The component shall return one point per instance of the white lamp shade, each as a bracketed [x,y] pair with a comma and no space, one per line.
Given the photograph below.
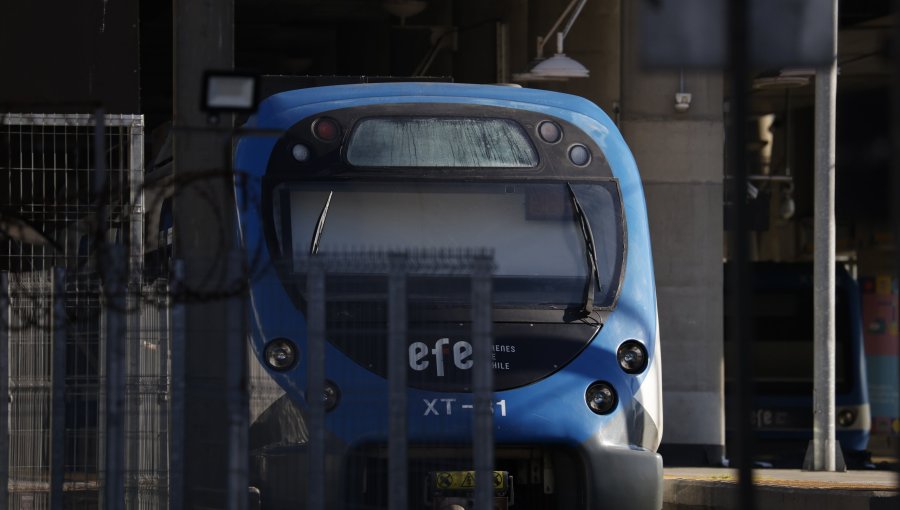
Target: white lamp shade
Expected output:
[531,77]
[560,66]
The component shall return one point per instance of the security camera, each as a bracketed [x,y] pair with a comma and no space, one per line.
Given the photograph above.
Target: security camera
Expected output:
[682,101]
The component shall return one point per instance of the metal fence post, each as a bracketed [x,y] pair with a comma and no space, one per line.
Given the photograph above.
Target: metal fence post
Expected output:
[136,211]
[483,381]
[397,402]
[236,384]
[4,388]
[164,391]
[742,401]
[58,399]
[133,393]
[114,290]
[178,335]
[824,425]
[315,388]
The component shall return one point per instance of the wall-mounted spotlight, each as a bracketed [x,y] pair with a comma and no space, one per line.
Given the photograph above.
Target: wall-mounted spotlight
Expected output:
[229,92]
[559,67]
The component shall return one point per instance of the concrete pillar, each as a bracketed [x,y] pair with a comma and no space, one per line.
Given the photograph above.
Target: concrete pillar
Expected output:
[680,157]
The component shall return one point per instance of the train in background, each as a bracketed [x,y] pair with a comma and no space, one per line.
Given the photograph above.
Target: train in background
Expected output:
[543,180]
[781,316]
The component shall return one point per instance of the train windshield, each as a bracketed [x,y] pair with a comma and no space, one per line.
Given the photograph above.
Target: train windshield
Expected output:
[532,228]
[440,142]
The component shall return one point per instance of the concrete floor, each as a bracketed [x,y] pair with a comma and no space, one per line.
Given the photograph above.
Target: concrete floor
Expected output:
[716,488]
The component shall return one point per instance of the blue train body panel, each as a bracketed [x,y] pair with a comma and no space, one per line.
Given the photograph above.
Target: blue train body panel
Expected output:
[549,411]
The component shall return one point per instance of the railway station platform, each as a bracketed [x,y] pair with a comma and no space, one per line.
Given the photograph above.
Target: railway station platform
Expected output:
[776,489]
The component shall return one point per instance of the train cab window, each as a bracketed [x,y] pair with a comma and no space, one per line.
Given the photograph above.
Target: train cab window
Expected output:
[536,239]
[440,143]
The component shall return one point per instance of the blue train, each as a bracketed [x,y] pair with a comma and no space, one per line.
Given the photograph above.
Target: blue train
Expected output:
[546,182]
[782,320]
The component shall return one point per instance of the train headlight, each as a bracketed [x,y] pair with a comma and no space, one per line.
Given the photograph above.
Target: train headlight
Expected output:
[331,395]
[632,357]
[281,354]
[549,131]
[300,152]
[579,155]
[846,417]
[601,398]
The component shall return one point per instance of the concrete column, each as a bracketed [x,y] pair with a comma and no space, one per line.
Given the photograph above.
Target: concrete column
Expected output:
[680,157]
[203,207]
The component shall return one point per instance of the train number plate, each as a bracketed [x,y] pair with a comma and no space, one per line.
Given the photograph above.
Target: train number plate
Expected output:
[455,489]
[465,481]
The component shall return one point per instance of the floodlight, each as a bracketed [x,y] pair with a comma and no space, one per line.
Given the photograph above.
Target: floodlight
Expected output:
[229,91]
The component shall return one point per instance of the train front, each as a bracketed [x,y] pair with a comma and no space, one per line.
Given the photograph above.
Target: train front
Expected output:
[541,180]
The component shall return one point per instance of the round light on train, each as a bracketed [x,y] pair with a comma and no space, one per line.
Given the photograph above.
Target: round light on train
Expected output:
[601,398]
[281,354]
[549,131]
[632,357]
[326,129]
[846,417]
[579,155]
[331,395]
[300,152]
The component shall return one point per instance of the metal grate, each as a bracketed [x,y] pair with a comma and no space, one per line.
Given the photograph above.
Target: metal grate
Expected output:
[47,319]
[50,186]
[30,316]
[62,205]
[147,399]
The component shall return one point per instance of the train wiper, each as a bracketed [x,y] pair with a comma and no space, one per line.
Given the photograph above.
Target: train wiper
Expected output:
[320,225]
[594,278]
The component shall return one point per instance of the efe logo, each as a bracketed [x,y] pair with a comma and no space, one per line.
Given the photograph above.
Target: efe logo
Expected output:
[419,359]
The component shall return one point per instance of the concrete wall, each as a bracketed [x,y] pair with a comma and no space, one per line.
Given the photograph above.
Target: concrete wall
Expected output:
[681,159]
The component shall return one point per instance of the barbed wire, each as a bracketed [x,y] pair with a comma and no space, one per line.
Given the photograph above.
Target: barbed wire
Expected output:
[88,230]
[108,274]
